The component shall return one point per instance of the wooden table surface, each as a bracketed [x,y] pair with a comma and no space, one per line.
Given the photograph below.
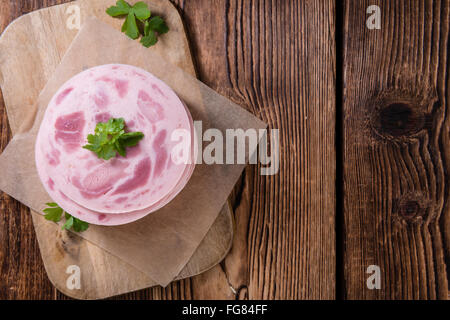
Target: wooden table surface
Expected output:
[364,159]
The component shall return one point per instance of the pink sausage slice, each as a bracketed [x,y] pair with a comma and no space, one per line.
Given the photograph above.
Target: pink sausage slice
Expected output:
[134,185]
[100,218]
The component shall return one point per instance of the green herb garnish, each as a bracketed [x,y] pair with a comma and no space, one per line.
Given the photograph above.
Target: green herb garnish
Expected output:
[141,12]
[54,213]
[151,28]
[110,138]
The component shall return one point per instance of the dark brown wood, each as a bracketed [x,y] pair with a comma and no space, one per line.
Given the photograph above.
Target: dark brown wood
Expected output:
[397,149]
[277,59]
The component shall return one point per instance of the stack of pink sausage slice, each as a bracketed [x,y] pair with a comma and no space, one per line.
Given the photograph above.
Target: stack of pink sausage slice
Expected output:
[122,189]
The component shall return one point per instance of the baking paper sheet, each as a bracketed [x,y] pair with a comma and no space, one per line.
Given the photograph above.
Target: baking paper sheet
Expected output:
[162,243]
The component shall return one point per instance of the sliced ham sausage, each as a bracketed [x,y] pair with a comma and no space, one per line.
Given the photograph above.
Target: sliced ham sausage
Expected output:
[122,189]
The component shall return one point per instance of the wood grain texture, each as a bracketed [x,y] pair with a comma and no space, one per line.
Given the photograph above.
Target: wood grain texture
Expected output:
[277,59]
[397,149]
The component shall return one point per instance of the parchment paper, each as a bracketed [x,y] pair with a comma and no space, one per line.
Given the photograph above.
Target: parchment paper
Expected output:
[162,243]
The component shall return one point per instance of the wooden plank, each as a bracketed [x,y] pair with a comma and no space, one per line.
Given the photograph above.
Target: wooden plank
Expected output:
[397,149]
[277,59]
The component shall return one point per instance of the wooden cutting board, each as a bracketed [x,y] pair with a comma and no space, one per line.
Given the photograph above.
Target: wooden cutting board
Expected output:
[30,49]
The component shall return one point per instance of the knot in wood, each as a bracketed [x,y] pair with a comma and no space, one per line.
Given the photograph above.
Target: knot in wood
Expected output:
[409,209]
[399,119]
[412,208]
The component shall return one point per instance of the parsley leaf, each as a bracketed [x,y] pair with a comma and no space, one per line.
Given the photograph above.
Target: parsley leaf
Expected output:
[107,152]
[149,40]
[52,204]
[54,213]
[158,24]
[79,226]
[140,11]
[125,25]
[110,138]
[69,222]
[132,30]
[121,8]
[131,139]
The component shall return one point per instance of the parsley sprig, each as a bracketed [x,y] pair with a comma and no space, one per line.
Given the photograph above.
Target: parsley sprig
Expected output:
[151,28]
[110,138]
[54,213]
[140,11]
